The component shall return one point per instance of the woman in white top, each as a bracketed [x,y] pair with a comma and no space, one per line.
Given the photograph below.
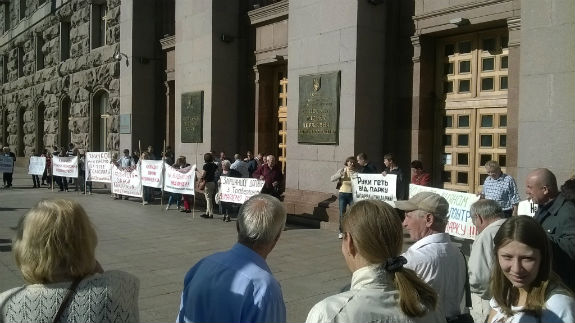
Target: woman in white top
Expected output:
[523,286]
[55,250]
[382,290]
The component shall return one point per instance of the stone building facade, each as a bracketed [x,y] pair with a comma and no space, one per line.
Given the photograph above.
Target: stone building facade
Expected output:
[60,77]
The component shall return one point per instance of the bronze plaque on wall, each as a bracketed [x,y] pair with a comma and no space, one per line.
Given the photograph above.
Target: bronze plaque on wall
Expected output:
[192,117]
[318,113]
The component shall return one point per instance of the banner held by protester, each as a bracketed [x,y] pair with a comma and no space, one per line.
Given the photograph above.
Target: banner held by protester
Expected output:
[459,224]
[239,190]
[37,165]
[180,180]
[374,186]
[98,167]
[65,166]
[6,164]
[126,181]
[151,172]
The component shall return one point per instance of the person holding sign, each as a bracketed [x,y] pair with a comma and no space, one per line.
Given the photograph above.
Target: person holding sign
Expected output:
[7,176]
[35,178]
[271,173]
[401,187]
[382,288]
[524,287]
[343,178]
[365,166]
[433,257]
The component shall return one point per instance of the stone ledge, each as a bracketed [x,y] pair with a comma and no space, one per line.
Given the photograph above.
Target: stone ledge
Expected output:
[310,206]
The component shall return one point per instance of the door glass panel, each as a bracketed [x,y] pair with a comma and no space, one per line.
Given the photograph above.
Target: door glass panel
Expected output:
[447,121]
[504,62]
[503,82]
[462,178]
[463,140]
[502,160]
[447,140]
[446,176]
[486,140]
[487,84]
[464,67]
[488,64]
[448,87]
[462,159]
[463,121]
[503,120]
[482,178]
[464,85]
[502,141]
[484,159]
[487,121]
[448,68]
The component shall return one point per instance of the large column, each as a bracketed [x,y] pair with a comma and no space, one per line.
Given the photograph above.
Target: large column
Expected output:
[514,26]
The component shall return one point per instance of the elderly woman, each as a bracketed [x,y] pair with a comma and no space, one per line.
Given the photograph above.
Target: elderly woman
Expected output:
[55,251]
[523,286]
[382,290]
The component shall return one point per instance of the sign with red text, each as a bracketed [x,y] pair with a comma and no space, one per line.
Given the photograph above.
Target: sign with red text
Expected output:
[151,172]
[239,190]
[180,180]
[98,167]
[65,166]
[459,224]
[374,186]
[126,181]
[37,165]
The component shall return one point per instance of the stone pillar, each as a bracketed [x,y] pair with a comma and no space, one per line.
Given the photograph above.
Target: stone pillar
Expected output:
[514,26]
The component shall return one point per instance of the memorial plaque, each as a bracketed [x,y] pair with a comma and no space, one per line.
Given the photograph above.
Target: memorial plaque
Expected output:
[318,113]
[192,117]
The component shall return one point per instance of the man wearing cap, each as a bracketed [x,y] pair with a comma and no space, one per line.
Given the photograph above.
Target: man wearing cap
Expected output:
[433,257]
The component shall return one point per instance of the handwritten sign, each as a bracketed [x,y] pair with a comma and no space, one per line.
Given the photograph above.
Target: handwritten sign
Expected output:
[65,166]
[126,182]
[180,180]
[6,164]
[459,223]
[151,172]
[98,167]
[527,207]
[37,165]
[239,190]
[374,186]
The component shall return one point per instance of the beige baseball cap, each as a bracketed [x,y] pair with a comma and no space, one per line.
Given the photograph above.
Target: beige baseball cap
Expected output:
[425,201]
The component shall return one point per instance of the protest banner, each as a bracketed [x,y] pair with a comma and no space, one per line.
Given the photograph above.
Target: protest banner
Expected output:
[98,167]
[151,172]
[527,207]
[239,190]
[37,165]
[459,224]
[6,164]
[126,181]
[65,166]
[180,180]
[374,186]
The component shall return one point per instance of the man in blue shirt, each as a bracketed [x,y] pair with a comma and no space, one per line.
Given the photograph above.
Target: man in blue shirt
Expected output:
[237,285]
[500,188]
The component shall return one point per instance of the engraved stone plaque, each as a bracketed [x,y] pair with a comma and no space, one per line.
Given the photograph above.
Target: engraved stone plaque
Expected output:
[192,117]
[318,113]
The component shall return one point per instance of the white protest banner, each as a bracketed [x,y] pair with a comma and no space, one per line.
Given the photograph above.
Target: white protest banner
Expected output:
[151,172]
[65,166]
[6,164]
[37,165]
[98,167]
[180,180]
[527,207]
[374,186]
[239,190]
[459,224]
[126,182]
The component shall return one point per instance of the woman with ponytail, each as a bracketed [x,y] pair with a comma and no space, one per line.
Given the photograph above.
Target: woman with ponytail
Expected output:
[382,290]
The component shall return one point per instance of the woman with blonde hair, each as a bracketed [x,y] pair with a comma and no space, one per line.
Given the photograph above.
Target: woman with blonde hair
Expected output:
[343,178]
[382,290]
[55,248]
[524,287]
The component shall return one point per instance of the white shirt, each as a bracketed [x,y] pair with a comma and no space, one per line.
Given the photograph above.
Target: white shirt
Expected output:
[440,263]
[559,308]
[371,298]
[242,167]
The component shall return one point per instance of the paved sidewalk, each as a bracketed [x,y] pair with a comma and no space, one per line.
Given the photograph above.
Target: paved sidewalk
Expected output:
[159,247]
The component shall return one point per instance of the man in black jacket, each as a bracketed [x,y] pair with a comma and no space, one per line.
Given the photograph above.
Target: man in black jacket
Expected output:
[557,216]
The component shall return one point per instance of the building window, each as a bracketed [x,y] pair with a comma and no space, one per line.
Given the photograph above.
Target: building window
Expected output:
[98,24]
[20,62]
[6,15]
[39,52]
[22,11]
[63,124]
[64,40]
[100,118]
[4,67]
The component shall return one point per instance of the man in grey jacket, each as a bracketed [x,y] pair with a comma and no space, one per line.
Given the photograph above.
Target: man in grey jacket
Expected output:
[557,216]
[487,216]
